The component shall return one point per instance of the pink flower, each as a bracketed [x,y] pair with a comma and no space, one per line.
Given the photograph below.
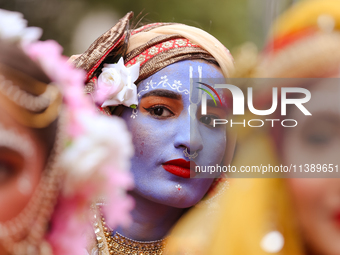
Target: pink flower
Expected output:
[69,80]
[118,204]
[70,227]
[85,159]
[48,55]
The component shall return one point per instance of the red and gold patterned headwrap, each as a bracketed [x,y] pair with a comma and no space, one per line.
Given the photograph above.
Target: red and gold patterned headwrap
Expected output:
[155,46]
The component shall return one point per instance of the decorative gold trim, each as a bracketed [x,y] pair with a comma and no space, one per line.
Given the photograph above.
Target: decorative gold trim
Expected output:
[37,106]
[121,245]
[26,100]
[109,243]
[32,86]
[29,119]
[89,87]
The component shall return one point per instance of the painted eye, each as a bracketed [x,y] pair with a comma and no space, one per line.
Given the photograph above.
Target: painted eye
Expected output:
[320,132]
[160,111]
[319,138]
[208,120]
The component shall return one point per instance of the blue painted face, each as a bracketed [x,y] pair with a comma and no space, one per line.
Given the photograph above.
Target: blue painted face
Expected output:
[163,129]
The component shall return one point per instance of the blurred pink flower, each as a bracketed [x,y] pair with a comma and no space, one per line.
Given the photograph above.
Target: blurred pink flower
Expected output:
[69,227]
[64,75]
[92,139]
[118,204]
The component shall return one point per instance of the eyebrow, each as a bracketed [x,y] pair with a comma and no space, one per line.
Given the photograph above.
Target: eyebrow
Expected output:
[224,107]
[211,103]
[162,93]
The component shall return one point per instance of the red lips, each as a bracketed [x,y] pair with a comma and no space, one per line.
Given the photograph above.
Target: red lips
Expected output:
[179,167]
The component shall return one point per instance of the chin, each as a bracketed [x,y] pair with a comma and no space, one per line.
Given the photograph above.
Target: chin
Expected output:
[177,199]
[181,203]
[164,192]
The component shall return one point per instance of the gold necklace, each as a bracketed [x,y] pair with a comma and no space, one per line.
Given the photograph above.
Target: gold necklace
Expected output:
[120,245]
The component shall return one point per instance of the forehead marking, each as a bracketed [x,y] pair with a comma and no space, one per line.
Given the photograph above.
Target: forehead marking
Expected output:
[176,85]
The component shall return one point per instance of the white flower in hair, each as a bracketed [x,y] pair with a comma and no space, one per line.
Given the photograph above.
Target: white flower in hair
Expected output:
[13,28]
[116,85]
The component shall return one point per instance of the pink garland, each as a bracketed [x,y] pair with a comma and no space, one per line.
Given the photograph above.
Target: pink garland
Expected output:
[70,221]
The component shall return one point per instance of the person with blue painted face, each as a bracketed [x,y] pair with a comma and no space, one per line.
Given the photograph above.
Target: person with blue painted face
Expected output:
[148,77]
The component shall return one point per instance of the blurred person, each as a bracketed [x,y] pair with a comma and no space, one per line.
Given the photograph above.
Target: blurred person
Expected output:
[45,191]
[305,44]
[144,76]
[289,214]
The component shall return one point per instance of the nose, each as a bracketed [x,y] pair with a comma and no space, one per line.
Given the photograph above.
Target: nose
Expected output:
[188,137]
